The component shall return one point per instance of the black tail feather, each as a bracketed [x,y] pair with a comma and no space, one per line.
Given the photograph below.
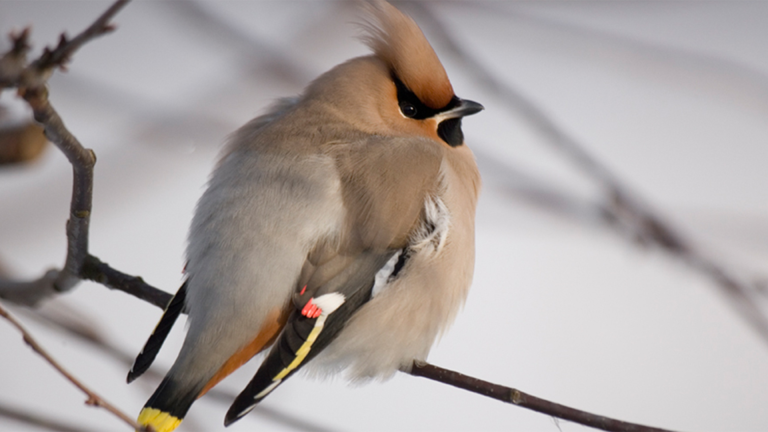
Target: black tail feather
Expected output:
[156,339]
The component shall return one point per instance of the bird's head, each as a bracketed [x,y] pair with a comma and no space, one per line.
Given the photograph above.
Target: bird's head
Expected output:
[402,89]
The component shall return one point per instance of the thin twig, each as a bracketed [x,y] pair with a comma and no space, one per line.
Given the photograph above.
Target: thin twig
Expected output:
[93,398]
[524,400]
[59,56]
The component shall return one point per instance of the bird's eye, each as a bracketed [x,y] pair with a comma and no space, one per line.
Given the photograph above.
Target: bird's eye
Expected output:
[408,109]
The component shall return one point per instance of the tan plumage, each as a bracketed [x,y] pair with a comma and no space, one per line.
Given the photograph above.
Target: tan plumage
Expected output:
[397,40]
[363,178]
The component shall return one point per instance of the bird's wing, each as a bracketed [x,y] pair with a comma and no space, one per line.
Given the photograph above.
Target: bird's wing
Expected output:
[385,182]
[311,327]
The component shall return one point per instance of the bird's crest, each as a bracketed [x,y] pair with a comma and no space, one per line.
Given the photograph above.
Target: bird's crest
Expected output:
[396,39]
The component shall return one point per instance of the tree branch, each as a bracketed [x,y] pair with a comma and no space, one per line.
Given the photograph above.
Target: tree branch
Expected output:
[524,400]
[30,80]
[100,272]
[59,56]
[93,398]
[82,161]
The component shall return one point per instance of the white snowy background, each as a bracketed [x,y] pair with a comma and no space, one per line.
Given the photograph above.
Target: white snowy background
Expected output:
[671,96]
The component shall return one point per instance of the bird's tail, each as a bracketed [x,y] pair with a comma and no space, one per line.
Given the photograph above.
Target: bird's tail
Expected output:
[156,339]
[167,407]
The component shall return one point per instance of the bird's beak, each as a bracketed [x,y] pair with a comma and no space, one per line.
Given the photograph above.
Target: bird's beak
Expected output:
[449,122]
[463,109]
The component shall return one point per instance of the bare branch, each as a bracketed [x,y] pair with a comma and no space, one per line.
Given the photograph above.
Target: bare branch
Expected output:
[82,161]
[59,56]
[93,398]
[31,80]
[29,293]
[524,400]
[102,273]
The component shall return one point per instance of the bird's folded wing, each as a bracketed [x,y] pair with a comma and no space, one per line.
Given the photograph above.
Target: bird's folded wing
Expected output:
[385,183]
[306,334]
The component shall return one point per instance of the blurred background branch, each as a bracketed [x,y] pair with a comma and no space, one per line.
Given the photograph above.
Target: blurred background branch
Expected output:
[621,208]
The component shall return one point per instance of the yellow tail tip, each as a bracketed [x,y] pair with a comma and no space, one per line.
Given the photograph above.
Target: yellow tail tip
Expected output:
[159,420]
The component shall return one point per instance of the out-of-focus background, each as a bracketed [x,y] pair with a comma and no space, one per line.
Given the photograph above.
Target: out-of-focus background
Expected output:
[671,97]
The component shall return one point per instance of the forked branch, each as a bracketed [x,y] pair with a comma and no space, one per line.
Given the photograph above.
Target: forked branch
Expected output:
[30,81]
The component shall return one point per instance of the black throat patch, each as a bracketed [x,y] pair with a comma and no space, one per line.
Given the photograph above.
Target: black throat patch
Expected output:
[412,107]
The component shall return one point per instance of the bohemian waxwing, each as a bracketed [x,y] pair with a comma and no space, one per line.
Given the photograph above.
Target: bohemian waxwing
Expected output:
[338,228]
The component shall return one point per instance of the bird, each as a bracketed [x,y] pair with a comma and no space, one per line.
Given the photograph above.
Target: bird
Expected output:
[336,231]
